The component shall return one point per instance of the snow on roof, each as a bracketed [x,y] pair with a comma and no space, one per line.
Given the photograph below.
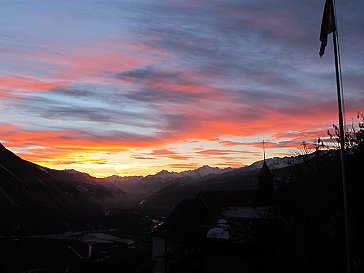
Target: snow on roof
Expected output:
[103,238]
[220,231]
[222,221]
[245,212]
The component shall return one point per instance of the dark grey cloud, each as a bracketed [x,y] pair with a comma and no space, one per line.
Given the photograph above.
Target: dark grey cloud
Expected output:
[147,73]
[75,105]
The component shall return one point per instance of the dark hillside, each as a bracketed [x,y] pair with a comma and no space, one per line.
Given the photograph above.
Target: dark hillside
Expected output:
[311,207]
[38,199]
[235,180]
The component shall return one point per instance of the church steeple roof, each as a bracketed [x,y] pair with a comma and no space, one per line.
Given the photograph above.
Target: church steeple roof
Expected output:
[265,177]
[264,171]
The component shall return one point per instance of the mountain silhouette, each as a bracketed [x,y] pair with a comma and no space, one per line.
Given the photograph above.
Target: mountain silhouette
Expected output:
[34,198]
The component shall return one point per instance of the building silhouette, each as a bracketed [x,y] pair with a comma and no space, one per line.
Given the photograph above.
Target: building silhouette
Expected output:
[221,231]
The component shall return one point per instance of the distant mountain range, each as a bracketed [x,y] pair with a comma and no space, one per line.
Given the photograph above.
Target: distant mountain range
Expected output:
[166,189]
[151,183]
[193,174]
[33,197]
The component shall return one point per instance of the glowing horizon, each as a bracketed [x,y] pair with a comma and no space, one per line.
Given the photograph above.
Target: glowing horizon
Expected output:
[134,87]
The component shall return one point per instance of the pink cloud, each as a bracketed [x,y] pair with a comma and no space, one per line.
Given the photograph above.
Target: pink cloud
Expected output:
[11,83]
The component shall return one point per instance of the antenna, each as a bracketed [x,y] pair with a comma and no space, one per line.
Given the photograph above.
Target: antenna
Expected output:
[263,150]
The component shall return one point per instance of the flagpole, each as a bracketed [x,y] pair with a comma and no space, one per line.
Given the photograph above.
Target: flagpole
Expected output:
[342,146]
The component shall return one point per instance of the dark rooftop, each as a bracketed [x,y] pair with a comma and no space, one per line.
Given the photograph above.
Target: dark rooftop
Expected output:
[217,200]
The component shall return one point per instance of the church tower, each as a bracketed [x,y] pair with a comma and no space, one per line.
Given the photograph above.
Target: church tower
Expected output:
[265,177]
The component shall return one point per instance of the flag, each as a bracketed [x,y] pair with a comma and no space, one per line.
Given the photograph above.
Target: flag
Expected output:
[328,24]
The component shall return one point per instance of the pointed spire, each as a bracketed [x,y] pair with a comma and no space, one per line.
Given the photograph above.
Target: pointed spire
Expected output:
[265,177]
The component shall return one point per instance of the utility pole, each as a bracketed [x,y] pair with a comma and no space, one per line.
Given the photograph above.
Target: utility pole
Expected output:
[342,151]
[329,25]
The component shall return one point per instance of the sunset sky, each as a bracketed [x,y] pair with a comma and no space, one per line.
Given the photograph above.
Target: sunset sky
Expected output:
[136,86]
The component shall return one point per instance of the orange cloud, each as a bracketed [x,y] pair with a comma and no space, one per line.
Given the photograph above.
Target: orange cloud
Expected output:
[217,152]
[11,83]
[184,166]
[271,121]
[179,157]
[169,154]
[230,164]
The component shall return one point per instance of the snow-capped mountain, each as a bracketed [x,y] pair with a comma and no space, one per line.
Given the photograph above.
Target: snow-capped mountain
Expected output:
[161,179]
[205,171]
[275,163]
[282,162]
[194,174]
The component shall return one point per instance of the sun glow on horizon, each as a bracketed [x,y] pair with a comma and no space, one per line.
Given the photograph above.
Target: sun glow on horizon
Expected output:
[223,153]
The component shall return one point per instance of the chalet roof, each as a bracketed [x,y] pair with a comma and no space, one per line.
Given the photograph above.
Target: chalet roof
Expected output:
[194,214]
[215,201]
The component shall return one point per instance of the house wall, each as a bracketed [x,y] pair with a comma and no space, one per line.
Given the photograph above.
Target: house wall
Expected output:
[158,254]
